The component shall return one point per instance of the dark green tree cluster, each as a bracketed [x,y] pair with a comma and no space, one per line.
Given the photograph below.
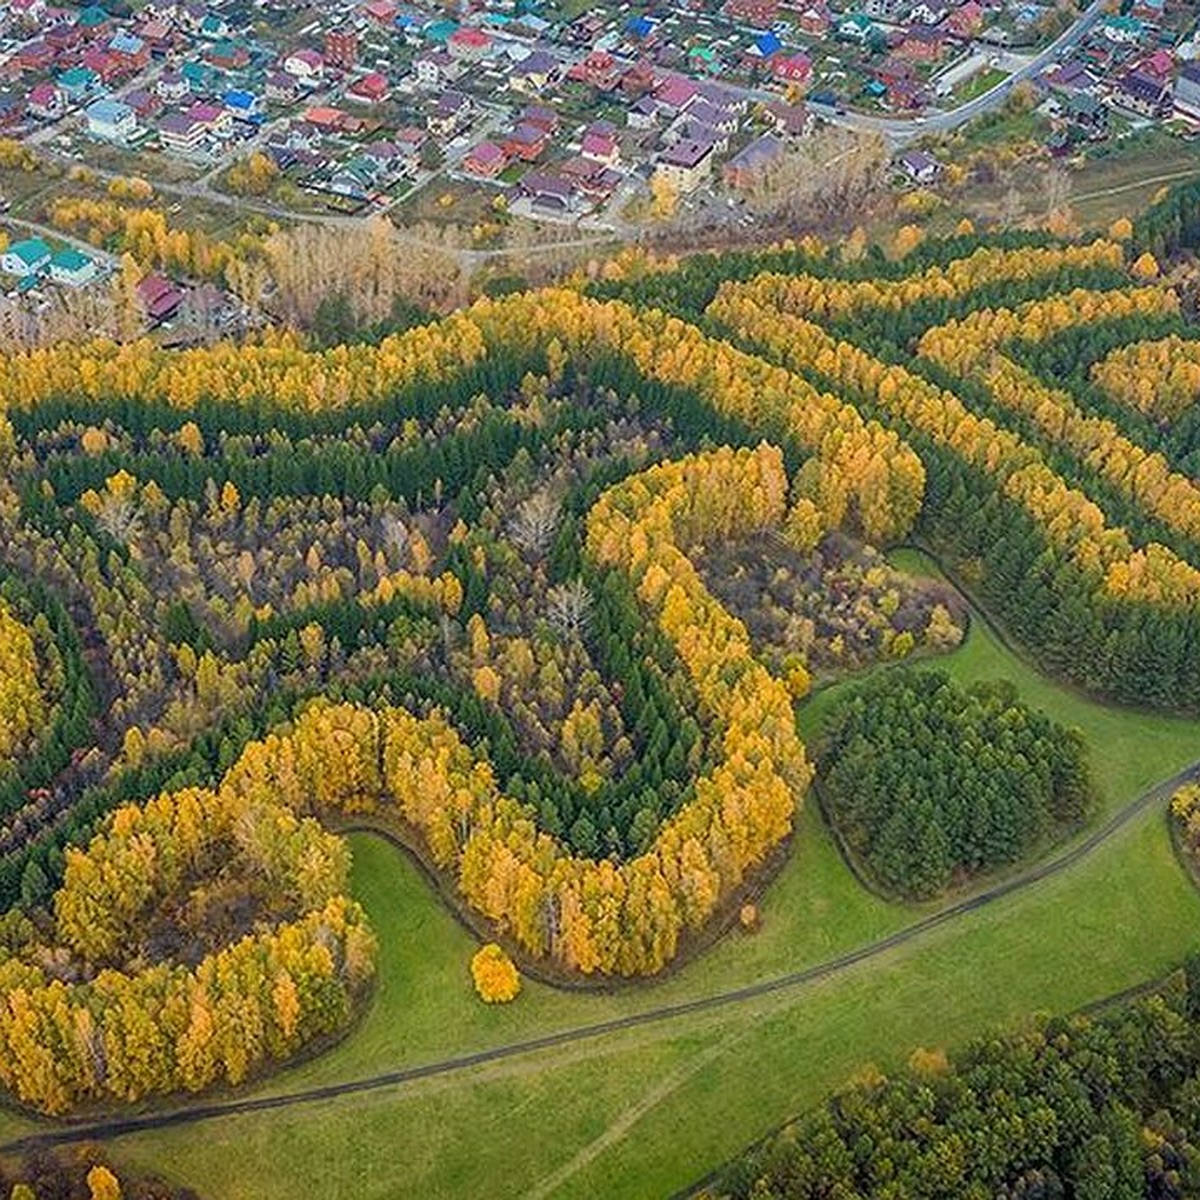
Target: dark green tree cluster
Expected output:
[929,783]
[1078,1108]
[1171,224]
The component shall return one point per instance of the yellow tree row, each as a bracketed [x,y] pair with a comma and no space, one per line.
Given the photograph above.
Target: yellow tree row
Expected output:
[276,371]
[823,299]
[1071,520]
[106,1029]
[593,916]
[971,349]
[881,476]
[24,707]
[1159,378]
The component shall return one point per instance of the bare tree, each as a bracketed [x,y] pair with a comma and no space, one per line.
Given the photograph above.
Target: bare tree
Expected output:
[533,525]
[569,608]
[119,518]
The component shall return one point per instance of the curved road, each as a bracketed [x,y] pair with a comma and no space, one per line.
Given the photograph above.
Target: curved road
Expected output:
[100,1130]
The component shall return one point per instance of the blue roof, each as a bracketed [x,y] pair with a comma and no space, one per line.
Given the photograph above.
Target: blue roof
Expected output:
[767,44]
[70,259]
[30,251]
[240,99]
[108,111]
[77,77]
[641,26]
[124,42]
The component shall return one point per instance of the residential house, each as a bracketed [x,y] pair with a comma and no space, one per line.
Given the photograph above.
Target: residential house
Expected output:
[159,36]
[305,65]
[749,164]
[885,10]
[144,102]
[94,22]
[855,27]
[372,88]
[25,258]
[758,14]
[159,297]
[72,268]
[36,55]
[47,102]
[599,70]
[791,68]
[966,21]
[642,114]
[130,51]
[535,73]
[1087,116]
[1123,30]
[408,140]
[919,166]
[1187,92]
[790,121]
[638,79]
[106,66]
[526,142]
[451,112]
[380,12]
[549,194]
[815,20]
[1149,11]
[928,12]
[1144,94]
[111,120]
[468,44]
[486,160]
[282,88]
[436,68]
[542,116]
[685,165]
[77,83]
[600,143]
[228,54]
[244,105]
[922,44]
[674,95]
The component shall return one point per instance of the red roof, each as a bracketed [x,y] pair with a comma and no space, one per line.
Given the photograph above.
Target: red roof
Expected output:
[470,37]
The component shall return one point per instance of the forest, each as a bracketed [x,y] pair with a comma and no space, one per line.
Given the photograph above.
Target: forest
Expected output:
[596,602]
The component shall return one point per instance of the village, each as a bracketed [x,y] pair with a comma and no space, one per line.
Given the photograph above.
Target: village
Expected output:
[557,116]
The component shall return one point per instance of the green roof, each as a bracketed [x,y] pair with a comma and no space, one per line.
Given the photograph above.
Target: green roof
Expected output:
[31,251]
[92,15]
[70,259]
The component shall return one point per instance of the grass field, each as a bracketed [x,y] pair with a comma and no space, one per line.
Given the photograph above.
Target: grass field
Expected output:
[645,1112]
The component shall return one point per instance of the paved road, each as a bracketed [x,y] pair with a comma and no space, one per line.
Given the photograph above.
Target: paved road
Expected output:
[902,129]
[46,231]
[102,1130]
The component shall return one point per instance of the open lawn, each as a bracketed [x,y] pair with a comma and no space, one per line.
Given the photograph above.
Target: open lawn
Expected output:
[645,1111]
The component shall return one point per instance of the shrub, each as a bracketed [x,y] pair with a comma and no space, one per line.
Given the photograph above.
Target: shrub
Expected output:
[496,978]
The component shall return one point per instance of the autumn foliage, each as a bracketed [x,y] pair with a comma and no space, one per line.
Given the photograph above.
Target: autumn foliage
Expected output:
[496,978]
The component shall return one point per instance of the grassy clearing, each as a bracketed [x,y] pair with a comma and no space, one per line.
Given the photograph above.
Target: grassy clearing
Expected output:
[646,1111]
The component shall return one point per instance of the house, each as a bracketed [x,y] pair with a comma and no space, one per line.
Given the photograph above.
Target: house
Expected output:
[436,68]
[638,79]
[243,105]
[527,142]
[1070,77]
[855,27]
[325,118]
[372,88]
[486,160]
[47,102]
[758,14]
[815,20]
[159,36]
[282,88]
[159,297]
[534,74]
[600,143]
[599,70]
[791,68]
[185,132]
[111,120]
[966,21]
[107,67]
[1143,94]
[928,12]
[356,178]
[885,10]
[408,140]
[36,55]
[542,116]
[1158,65]
[750,163]
[919,166]
[1123,30]
[685,165]
[380,12]
[674,95]
[1187,92]
[1087,116]
[451,112]
[549,194]
[305,65]
[228,54]
[72,268]
[94,22]
[642,114]
[790,121]
[129,50]
[922,44]
[78,83]
[341,48]
[468,44]
[1149,11]
[25,258]
[144,102]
